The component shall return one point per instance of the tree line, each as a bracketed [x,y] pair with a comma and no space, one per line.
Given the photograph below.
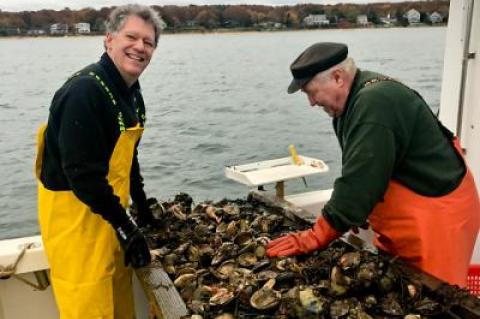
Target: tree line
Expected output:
[208,17]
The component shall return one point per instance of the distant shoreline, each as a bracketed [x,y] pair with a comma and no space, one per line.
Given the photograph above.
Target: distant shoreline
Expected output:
[230,30]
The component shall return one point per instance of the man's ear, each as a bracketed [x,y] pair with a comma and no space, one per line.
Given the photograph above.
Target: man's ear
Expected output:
[338,77]
[108,40]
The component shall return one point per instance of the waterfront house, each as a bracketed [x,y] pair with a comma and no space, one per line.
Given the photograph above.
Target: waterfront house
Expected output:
[36,32]
[82,27]
[191,23]
[362,20]
[388,20]
[270,25]
[10,31]
[413,16]
[59,28]
[436,17]
[385,21]
[316,20]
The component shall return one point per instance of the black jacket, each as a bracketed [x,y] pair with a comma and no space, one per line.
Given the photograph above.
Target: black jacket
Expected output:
[86,117]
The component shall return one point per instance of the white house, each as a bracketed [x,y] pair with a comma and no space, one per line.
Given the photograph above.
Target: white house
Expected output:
[413,16]
[82,27]
[36,32]
[436,17]
[316,20]
[270,24]
[362,19]
[385,21]
[388,20]
[59,28]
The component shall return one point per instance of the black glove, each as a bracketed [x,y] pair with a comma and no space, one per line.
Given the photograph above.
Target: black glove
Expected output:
[145,216]
[134,244]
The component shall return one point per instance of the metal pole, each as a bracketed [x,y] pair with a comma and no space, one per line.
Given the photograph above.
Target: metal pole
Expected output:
[465,58]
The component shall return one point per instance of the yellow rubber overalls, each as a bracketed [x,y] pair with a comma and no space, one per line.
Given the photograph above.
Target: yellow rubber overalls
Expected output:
[88,275]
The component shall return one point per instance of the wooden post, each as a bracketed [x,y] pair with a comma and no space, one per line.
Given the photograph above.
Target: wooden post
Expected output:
[161,293]
[280,189]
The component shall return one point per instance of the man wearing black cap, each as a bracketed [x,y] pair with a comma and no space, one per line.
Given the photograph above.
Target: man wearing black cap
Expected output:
[402,170]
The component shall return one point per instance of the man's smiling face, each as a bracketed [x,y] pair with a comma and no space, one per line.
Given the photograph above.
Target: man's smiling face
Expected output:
[131,48]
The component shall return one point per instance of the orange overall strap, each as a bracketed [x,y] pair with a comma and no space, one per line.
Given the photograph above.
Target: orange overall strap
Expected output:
[435,234]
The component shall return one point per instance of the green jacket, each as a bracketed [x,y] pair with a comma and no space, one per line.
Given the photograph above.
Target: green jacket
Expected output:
[388,132]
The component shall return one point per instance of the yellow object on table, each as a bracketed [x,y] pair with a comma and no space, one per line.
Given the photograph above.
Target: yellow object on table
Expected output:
[293,152]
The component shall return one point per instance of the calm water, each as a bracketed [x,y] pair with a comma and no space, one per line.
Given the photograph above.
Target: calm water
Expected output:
[212,100]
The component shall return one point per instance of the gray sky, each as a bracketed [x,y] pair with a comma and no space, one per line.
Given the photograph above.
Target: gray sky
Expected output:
[34,5]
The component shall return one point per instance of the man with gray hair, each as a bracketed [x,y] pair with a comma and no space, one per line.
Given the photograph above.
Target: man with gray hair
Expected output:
[87,168]
[402,170]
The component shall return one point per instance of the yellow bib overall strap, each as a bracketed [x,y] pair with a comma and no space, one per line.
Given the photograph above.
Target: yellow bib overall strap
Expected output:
[88,276]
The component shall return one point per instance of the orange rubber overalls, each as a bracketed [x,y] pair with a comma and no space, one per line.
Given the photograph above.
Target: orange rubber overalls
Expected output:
[435,234]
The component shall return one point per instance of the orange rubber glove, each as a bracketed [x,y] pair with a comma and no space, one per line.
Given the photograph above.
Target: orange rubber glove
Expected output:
[304,242]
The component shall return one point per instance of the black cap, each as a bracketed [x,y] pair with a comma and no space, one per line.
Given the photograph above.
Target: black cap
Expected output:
[315,59]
